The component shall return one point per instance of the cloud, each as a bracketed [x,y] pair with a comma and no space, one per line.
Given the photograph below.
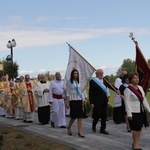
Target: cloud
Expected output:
[42,19]
[54,18]
[34,73]
[74,18]
[108,70]
[33,37]
[16,19]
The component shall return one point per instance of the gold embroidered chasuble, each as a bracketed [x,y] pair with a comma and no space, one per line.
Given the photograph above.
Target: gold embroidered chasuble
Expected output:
[28,98]
[18,95]
[3,87]
[9,100]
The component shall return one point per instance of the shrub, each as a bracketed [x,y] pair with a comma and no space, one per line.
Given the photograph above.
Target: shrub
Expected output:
[87,106]
[109,111]
[1,137]
[19,136]
[1,141]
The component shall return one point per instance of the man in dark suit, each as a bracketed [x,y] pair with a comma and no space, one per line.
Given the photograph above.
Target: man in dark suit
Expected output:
[98,96]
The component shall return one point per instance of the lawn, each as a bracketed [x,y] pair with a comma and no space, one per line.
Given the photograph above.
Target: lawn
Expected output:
[13,139]
[111,100]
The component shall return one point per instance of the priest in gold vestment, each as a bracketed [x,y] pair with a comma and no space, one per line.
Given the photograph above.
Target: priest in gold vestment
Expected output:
[3,86]
[28,99]
[9,100]
[18,99]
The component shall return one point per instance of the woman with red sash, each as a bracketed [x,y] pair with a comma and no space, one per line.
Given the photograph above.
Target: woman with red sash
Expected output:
[135,103]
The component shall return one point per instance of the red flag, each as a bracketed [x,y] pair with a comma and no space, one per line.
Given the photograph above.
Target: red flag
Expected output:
[143,69]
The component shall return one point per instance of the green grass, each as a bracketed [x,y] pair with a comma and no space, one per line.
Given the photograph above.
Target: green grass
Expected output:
[148,97]
[111,100]
[5,132]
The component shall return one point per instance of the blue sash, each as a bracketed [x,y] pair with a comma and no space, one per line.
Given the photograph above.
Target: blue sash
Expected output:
[125,85]
[75,88]
[102,86]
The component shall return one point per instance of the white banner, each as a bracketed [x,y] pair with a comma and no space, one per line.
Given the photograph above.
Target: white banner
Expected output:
[76,61]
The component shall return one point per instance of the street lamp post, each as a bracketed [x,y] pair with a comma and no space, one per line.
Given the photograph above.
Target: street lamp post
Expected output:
[10,45]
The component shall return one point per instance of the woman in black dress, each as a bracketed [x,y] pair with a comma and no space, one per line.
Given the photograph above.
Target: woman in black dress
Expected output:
[76,103]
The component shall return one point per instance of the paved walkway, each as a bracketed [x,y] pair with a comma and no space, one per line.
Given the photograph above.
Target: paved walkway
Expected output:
[118,139]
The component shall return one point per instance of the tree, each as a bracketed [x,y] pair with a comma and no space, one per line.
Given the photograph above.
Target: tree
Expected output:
[10,68]
[127,65]
[49,76]
[111,78]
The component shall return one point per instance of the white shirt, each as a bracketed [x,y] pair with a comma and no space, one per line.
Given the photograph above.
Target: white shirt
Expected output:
[42,98]
[117,98]
[72,93]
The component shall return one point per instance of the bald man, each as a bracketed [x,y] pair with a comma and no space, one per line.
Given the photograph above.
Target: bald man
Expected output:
[56,99]
[98,96]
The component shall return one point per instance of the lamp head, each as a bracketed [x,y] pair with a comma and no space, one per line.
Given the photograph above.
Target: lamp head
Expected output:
[13,43]
[9,44]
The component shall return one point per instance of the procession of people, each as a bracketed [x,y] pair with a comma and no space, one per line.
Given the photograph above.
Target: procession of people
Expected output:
[22,99]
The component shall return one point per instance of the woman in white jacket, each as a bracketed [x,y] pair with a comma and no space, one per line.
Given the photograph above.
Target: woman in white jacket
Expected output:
[135,103]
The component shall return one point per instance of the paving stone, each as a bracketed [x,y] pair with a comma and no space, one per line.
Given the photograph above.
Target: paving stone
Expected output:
[118,138]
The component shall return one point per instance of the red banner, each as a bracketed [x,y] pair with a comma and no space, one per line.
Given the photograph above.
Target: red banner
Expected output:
[143,69]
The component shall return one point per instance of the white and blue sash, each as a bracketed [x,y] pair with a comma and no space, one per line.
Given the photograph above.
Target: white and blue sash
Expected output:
[125,85]
[75,88]
[101,85]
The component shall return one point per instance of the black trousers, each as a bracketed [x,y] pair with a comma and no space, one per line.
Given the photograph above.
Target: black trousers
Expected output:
[44,114]
[102,115]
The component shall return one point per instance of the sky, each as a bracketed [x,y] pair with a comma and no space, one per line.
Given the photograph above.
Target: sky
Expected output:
[98,30]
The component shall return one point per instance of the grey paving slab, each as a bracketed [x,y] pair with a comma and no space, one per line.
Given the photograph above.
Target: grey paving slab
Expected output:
[118,138]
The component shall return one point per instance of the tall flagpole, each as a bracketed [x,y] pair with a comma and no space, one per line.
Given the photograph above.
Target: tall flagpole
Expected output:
[145,64]
[136,44]
[3,66]
[91,66]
